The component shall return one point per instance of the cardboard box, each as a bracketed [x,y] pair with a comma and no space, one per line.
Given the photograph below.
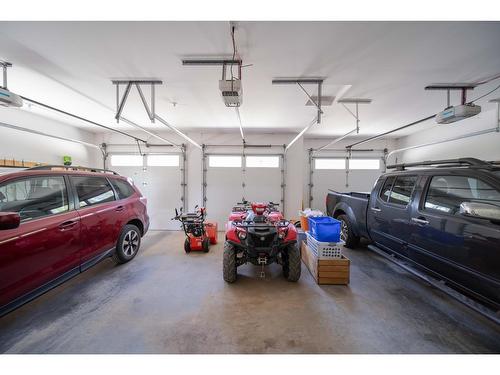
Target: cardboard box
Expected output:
[333,271]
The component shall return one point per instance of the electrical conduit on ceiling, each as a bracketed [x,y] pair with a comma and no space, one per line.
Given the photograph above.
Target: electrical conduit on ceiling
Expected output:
[19,128]
[464,136]
[82,119]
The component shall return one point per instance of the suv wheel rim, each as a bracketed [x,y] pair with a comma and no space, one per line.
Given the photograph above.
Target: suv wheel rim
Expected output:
[343,230]
[130,243]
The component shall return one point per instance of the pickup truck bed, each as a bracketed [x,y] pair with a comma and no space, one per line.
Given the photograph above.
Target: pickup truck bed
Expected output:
[354,206]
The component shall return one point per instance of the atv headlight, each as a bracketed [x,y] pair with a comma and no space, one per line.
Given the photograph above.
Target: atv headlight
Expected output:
[282,234]
[242,234]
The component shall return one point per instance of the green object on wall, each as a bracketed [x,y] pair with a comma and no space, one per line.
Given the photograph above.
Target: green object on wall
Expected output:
[67,160]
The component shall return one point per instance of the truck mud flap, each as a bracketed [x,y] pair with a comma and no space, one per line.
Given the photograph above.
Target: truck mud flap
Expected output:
[438,284]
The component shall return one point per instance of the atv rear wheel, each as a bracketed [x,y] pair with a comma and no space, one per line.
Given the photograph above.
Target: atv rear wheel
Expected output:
[205,245]
[291,263]
[229,263]
[187,245]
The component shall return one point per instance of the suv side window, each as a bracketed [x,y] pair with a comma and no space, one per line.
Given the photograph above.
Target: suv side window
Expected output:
[34,197]
[446,193]
[92,190]
[122,188]
[386,188]
[402,189]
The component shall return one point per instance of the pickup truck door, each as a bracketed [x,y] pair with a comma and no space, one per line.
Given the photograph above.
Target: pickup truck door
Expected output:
[389,211]
[460,248]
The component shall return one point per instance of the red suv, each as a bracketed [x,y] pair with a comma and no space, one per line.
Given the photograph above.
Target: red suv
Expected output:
[56,222]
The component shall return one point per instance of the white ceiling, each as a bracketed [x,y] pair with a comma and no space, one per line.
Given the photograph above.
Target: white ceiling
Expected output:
[70,65]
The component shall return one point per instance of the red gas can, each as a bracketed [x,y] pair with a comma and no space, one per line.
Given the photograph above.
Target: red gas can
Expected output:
[211,229]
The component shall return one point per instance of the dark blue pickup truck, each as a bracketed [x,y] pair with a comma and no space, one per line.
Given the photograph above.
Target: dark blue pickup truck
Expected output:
[443,218]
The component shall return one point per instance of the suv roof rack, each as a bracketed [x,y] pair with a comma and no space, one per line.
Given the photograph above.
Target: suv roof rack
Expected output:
[471,162]
[70,168]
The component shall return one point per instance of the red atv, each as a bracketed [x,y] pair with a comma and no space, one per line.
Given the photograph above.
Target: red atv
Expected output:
[257,233]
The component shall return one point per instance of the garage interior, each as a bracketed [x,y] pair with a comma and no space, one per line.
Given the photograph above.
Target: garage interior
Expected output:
[324,106]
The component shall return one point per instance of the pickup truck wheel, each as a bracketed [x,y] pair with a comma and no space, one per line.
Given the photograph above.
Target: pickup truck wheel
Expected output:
[128,244]
[229,263]
[346,233]
[292,263]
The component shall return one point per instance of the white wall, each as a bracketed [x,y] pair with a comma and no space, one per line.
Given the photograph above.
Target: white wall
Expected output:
[19,145]
[485,146]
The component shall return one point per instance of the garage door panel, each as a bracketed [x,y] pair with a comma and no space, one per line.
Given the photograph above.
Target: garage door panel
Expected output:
[224,190]
[164,193]
[359,180]
[324,180]
[162,188]
[263,184]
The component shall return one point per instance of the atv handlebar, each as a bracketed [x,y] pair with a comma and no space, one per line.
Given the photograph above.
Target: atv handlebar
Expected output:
[200,214]
[252,224]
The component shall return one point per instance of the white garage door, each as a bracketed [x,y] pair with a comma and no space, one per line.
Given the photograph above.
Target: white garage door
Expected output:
[330,173]
[158,177]
[230,178]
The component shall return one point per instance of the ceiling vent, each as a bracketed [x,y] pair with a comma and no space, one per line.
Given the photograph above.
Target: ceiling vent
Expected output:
[325,101]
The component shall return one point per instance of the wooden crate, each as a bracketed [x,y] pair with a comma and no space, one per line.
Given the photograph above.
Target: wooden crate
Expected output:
[331,271]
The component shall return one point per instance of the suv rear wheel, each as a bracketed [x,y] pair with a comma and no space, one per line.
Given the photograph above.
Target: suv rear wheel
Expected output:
[128,244]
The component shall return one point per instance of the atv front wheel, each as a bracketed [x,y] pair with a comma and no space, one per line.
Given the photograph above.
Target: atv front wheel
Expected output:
[291,263]
[187,245]
[229,263]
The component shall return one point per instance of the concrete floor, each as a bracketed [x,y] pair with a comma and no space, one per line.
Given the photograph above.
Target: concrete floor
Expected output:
[168,302]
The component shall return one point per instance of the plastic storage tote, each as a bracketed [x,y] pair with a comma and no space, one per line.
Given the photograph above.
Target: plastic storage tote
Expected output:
[324,228]
[324,250]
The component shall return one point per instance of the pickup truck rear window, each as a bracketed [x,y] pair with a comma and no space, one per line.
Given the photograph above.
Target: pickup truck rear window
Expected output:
[402,189]
[386,189]
[398,189]
[447,193]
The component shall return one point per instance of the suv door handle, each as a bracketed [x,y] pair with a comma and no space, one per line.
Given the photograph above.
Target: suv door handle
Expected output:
[119,208]
[419,220]
[67,224]
[375,209]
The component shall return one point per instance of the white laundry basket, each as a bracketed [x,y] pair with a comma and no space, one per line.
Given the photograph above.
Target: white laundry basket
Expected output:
[324,250]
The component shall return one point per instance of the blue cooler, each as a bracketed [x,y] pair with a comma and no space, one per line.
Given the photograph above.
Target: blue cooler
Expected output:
[324,228]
